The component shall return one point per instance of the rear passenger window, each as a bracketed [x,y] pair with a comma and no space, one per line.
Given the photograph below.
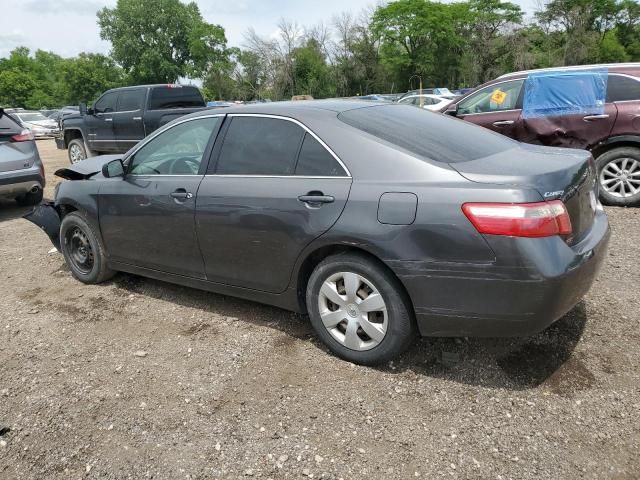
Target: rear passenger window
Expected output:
[620,89]
[316,161]
[260,146]
[130,100]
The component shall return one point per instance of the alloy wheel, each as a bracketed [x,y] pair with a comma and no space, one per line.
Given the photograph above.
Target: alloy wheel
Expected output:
[353,311]
[75,153]
[621,177]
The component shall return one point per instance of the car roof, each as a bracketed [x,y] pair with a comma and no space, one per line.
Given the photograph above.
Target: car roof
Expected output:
[154,85]
[293,109]
[614,66]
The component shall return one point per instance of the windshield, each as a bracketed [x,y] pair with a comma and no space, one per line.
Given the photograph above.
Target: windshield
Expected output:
[32,117]
[427,134]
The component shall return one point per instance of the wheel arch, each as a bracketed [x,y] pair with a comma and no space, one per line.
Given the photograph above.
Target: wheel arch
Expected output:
[616,142]
[312,258]
[72,134]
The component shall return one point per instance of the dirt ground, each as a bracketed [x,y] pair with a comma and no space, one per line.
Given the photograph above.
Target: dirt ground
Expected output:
[141,379]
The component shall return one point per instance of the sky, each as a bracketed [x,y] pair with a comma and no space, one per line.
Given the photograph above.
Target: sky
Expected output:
[68,27]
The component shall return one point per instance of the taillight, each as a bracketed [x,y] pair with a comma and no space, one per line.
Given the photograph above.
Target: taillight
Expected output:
[543,219]
[24,136]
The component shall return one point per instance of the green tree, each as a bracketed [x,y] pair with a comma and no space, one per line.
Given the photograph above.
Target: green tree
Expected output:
[90,74]
[161,40]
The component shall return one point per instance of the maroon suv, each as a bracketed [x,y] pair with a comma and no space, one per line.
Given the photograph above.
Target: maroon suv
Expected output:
[611,133]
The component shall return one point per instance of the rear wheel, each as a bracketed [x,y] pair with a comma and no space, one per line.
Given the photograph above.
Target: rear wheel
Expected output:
[619,176]
[359,310]
[83,250]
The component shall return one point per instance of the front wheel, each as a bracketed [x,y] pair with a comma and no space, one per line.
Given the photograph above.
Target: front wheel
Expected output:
[77,151]
[83,250]
[619,176]
[359,310]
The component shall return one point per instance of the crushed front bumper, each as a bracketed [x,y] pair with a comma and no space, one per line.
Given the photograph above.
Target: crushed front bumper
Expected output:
[47,218]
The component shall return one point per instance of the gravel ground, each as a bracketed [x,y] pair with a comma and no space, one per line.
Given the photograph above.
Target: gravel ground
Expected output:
[140,379]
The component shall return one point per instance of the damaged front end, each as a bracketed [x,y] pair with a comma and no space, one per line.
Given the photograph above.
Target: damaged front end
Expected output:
[47,217]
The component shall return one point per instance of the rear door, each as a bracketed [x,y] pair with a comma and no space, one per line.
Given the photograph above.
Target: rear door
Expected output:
[496,107]
[100,124]
[274,188]
[128,127]
[624,92]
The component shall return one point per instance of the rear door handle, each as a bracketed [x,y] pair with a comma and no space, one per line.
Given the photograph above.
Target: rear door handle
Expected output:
[588,118]
[311,199]
[108,119]
[503,123]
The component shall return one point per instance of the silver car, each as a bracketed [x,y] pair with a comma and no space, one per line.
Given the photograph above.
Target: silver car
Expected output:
[21,170]
[40,125]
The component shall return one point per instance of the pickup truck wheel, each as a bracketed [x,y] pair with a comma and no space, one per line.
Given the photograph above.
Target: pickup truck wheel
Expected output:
[619,176]
[77,151]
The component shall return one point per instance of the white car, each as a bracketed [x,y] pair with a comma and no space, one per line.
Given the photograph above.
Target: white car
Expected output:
[39,125]
[429,101]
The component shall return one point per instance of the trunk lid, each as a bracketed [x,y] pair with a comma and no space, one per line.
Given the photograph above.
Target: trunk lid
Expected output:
[556,173]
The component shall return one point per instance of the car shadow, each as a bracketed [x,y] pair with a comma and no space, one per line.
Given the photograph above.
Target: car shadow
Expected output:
[10,210]
[506,363]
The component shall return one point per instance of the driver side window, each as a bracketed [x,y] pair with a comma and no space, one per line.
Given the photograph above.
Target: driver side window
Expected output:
[494,98]
[177,151]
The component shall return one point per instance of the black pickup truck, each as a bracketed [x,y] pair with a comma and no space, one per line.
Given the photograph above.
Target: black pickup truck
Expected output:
[123,116]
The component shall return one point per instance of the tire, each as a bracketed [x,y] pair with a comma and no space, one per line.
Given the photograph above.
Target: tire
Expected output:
[76,232]
[30,199]
[77,151]
[392,326]
[619,176]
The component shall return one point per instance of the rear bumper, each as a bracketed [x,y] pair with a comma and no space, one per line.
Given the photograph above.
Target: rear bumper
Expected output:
[18,182]
[534,283]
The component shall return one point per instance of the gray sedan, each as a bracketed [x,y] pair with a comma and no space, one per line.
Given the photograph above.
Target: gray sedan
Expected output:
[380,221]
[21,170]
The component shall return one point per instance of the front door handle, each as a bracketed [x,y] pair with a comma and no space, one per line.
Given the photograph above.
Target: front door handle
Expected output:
[137,118]
[588,118]
[316,199]
[108,119]
[503,123]
[181,194]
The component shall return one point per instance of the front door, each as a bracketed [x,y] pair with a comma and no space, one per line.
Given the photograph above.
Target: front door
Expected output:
[274,189]
[100,123]
[496,107]
[147,218]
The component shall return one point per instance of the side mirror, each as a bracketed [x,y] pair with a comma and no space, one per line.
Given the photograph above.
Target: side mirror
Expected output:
[452,110]
[83,108]
[113,169]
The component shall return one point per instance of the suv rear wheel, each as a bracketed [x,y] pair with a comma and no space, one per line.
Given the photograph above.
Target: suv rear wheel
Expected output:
[619,176]
[359,310]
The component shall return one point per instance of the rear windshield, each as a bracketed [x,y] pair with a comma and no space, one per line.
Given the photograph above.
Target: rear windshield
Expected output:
[175,96]
[427,134]
[8,125]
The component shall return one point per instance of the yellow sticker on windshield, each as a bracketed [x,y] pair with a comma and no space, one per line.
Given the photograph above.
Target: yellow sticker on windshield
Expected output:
[498,96]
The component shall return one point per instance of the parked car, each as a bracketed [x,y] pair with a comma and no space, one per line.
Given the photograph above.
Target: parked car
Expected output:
[611,132]
[35,121]
[430,102]
[375,219]
[122,117]
[21,170]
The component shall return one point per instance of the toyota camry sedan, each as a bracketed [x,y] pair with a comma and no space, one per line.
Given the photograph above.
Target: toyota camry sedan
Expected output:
[380,221]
